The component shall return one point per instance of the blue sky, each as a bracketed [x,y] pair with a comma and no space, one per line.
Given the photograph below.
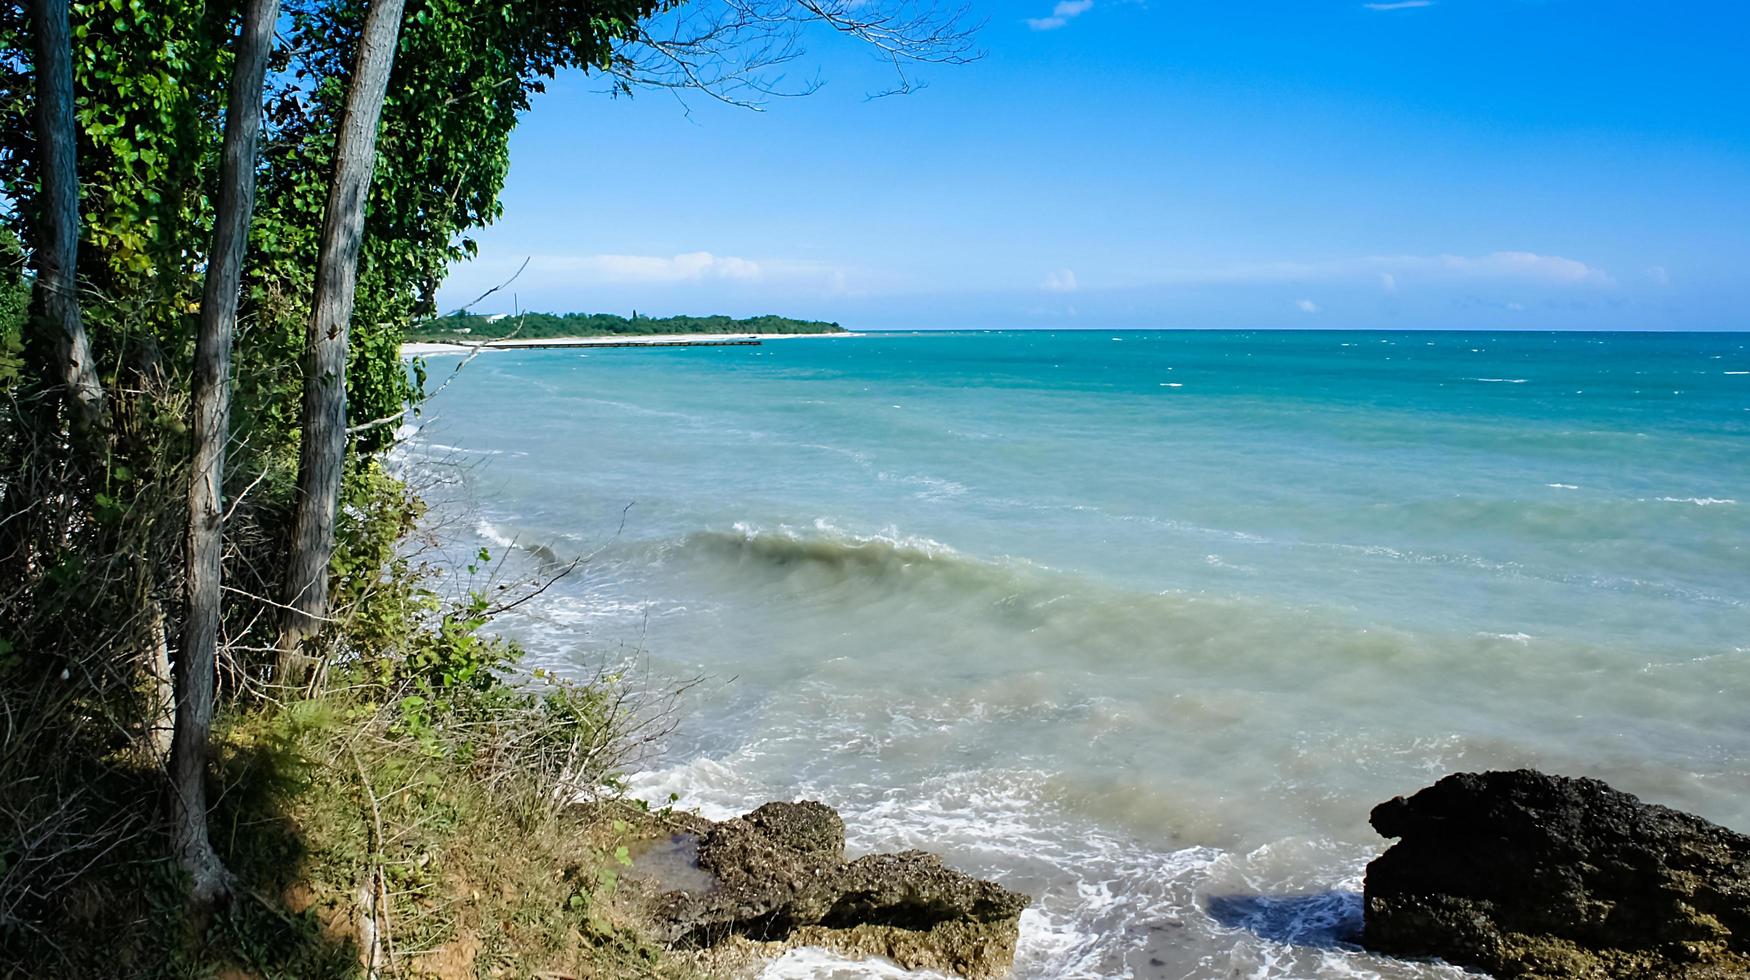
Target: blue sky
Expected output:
[1459,164]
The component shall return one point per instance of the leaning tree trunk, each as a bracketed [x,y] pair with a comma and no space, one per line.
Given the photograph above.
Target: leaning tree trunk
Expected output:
[322,453]
[196,662]
[57,325]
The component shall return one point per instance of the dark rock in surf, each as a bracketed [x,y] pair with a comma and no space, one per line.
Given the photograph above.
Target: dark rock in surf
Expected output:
[808,828]
[1529,875]
[777,878]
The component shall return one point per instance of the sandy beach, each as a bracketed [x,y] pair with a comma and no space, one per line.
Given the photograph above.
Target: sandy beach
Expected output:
[427,349]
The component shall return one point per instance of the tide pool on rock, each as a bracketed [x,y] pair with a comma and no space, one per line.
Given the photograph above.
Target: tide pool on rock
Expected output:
[1143,628]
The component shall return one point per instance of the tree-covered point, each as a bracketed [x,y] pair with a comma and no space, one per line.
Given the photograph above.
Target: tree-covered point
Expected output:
[534,326]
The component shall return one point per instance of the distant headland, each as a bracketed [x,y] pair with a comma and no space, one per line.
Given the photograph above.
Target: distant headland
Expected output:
[471,328]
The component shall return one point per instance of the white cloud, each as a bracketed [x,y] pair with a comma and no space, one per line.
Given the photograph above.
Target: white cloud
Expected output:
[1399,5]
[687,267]
[1061,281]
[1391,271]
[1063,13]
[1658,275]
[1306,306]
[1516,307]
[1506,265]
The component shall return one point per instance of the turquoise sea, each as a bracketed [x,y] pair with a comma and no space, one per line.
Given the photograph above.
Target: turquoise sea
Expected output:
[1142,623]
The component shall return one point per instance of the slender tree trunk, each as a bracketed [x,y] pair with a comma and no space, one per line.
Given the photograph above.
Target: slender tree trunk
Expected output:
[161,721]
[55,339]
[196,662]
[322,453]
[56,322]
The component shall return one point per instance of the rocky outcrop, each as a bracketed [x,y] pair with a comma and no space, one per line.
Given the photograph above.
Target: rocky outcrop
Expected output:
[778,877]
[1528,875]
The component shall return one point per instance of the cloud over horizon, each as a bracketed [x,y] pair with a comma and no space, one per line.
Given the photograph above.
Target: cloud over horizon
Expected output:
[1553,269]
[1061,281]
[652,268]
[1390,289]
[686,267]
[1393,271]
[561,282]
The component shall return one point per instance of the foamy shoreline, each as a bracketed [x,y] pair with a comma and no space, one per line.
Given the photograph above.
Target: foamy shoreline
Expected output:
[427,349]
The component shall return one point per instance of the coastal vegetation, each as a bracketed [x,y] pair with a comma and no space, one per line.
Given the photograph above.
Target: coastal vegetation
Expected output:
[244,727]
[535,326]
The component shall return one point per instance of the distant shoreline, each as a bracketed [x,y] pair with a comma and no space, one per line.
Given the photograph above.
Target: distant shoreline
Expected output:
[429,348]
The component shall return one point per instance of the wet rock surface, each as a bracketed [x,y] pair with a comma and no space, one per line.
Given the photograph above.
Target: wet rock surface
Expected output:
[777,878]
[1524,874]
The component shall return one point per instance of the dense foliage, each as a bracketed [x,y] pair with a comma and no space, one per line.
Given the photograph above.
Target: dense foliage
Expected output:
[149,84]
[530,326]
[92,523]
[14,301]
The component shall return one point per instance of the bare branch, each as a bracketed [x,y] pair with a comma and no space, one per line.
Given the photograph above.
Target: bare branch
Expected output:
[735,51]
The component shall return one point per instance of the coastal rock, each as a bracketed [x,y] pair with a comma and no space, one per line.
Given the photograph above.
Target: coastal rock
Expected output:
[915,890]
[1529,875]
[807,828]
[776,878]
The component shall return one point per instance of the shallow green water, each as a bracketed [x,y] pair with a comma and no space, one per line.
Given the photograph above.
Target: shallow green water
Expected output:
[1143,623]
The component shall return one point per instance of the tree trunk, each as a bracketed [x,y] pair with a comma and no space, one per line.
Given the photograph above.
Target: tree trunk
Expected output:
[196,663]
[322,453]
[56,323]
[54,333]
[161,720]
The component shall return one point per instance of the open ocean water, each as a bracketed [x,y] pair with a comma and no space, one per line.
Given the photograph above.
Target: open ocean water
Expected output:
[1139,623]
